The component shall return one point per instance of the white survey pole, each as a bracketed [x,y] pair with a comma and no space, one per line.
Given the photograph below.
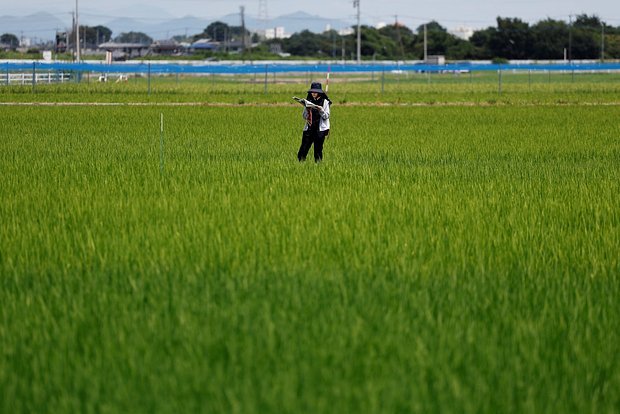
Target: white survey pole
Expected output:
[161,144]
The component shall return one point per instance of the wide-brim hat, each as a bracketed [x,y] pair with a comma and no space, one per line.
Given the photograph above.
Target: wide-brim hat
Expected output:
[316,87]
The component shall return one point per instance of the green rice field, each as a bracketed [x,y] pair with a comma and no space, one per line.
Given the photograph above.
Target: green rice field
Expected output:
[457,251]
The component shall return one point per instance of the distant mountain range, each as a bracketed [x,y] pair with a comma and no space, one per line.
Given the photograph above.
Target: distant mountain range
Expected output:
[35,26]
[43,25]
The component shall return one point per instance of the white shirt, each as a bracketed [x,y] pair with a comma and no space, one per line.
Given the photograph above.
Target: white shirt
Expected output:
[324,122]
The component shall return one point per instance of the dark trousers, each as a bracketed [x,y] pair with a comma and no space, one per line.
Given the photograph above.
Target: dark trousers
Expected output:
[307,139]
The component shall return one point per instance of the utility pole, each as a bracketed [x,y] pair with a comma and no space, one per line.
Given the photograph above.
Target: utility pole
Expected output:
[242,9]
[356,3]
[602,41]
[570,38]
[425,45]
[400,40]
[77,33]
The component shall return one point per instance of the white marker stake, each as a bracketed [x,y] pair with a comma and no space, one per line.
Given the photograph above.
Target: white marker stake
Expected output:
[161,145]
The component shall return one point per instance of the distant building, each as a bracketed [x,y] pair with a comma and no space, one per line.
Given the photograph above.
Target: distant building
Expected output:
[205,45]
[124,51]
[275,33]
[166,47]
[462,32]
[436,60]
[208,45]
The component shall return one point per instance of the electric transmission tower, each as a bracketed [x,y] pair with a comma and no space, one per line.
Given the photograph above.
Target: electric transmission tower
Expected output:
[262,14]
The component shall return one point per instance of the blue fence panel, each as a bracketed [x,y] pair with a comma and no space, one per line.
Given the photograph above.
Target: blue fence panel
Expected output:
[250,68]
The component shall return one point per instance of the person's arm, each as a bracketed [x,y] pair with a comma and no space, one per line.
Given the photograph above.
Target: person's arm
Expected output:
[325,110]
[304,113]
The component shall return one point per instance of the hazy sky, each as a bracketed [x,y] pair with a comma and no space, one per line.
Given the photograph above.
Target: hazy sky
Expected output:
[449,13]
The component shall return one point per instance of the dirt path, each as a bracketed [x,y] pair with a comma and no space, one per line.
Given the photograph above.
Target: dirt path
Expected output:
[363,104]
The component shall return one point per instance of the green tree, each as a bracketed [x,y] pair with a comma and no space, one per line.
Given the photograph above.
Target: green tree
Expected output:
[333,43]
[221,32]
[586,37]
[439,42]
[437,39]
[611,38]
[511,39]
[305,43]
[396,42]
[612,44]
[460,49]
[374,44]
[93,36]
[10,39]
[134,37]
[479,42]
[100,34]
[549,39]
[588,22]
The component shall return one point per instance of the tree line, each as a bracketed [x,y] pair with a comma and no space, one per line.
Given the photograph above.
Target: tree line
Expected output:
[585,37]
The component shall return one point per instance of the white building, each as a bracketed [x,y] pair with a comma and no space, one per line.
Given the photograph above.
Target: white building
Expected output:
[275,33]
[462,32]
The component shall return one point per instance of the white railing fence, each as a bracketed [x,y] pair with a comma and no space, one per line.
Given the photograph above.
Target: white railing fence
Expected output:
[25,78]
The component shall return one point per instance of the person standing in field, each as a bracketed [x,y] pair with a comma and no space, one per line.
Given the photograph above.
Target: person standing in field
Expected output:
[316,127]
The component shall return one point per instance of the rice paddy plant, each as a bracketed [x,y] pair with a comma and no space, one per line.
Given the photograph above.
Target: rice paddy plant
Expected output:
[440,259]
[400,88]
